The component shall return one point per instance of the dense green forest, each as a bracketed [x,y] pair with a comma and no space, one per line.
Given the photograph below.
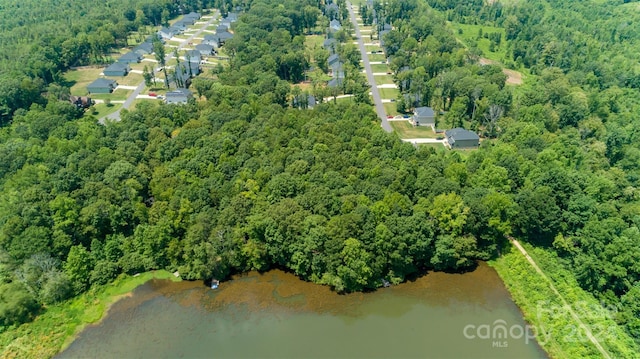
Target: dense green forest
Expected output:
[243,181]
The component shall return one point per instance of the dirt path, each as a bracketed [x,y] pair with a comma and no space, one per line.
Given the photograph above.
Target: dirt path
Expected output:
[513,77]
[575,317]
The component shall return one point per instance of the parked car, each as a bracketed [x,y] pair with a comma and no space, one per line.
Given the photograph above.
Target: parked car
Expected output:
[152,94]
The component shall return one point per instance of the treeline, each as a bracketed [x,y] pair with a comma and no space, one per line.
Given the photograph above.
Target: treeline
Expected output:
[40,40]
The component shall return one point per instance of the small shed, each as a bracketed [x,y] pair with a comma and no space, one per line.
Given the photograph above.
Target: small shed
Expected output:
[102,85]
[130,58]
[117,69]
[461,138]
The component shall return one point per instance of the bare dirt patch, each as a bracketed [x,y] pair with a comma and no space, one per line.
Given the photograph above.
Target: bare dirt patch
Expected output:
[513,77]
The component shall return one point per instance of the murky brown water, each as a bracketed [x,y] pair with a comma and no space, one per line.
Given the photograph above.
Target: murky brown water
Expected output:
[276,315]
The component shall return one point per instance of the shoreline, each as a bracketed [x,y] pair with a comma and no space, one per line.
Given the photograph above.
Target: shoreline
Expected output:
[53,331]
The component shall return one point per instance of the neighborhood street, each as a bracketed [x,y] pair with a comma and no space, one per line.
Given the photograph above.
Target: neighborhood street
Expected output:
[367,66]
[127,103]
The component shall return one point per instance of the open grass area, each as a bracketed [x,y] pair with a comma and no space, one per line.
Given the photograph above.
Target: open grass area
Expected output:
[389,93]
[117,95]
[390,108]
[558,333]
[380,68]
[437,146]
[58,326]
[372,48]
[404,129]
[130,80]
[468,35]
[383,79]
[102,110]
[377,57]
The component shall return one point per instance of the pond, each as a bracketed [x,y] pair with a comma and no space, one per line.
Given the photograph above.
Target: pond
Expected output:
[276,315]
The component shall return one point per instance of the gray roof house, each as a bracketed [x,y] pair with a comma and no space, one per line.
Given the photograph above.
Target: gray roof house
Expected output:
[102,85]
[224,36]
[130,57]
[461,138]
[423,116]
[166,33]
[331,10]
[182,24]
[178,96]
[184,71]
[335,82]
[144,48]
[230,18]
[193,56]
[117,69]
[205,49]
[330,44]
[193,15]
[334,26]
[332,59]
[211,39]
[383,31]
[222,28]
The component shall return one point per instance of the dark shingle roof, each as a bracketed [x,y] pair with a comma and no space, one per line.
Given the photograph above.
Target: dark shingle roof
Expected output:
[460,134]
[102,82]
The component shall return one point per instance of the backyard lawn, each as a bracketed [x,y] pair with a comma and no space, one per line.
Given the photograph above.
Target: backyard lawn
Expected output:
[117,95]
[377,57]
[130,80]
[79,79]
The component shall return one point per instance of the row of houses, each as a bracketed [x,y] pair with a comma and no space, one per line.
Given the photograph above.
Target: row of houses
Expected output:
[180,26]
[334,63]
[218,38]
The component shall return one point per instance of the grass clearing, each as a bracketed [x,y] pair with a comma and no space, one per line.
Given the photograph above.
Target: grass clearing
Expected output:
[383,79]
[58,326]
[404,129]
[377,57]
[469,36]
[130,80]
[380,68]
[390,108]
[557,332]
[389,93]
[102,110]
[117,95]
[372,48]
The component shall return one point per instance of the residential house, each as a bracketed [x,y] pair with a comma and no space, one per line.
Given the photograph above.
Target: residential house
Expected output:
[193,56]
[383,30]
[184,71]
[178,96]
[330,45]
[82,102]
[332,59]
[461,138]
[335,82]
[130,57]
[334,26]
[117,69]
[229,19]
[193,15]
[166,33]
[211,39]
[181,25]
[223,37]
[304,101]
[222,28]
[423,116]
[102,85]
[332,11]
[144,48]
[205,49]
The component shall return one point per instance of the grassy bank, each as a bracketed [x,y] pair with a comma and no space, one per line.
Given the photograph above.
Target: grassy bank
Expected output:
[557,332]
[56,328]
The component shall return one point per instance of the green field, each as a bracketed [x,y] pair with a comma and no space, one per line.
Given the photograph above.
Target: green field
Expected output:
[377,57]
[391,108]
[102,110]
[117,95]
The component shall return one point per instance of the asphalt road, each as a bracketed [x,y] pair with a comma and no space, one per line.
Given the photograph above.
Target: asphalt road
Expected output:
[127,103]
[367,66]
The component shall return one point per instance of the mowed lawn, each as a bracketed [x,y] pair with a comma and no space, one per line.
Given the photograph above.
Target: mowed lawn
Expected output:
[389,93]
[130,80]
[390,108]
[383,79]
[404,129]
[380,68]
